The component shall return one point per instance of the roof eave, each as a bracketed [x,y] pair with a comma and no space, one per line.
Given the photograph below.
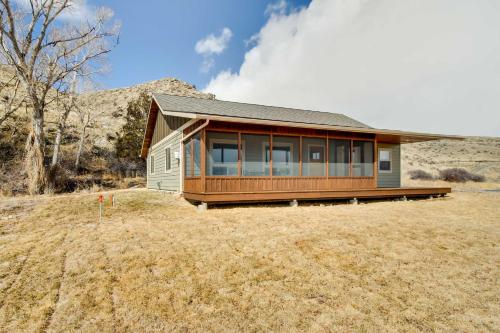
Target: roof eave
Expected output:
[415,136]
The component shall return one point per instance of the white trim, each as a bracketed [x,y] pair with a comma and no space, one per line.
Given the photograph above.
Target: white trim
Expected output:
[171,135]
[389,150]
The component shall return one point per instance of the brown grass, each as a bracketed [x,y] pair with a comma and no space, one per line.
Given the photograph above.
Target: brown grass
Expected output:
[156,264]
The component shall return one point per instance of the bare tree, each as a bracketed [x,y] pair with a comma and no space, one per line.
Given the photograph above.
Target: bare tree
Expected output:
[44,52]
[66,104]
[10,101]
[87,115]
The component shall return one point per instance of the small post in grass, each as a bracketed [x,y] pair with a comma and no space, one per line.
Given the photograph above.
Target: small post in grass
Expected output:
[101,200]
[112,199]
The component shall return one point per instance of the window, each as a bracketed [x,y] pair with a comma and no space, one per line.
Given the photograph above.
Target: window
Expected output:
[285,155]
[197,155]
[192,156]
[222,154]
[313,157]
[187,158]
[152,164]
[362,158]
[255,159]
[338,157]
[385,160]
[168,165]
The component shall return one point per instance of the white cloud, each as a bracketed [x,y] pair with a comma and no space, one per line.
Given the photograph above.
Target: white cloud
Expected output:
[207,64]
[252,41]
[276,8]
[212,44]
[428,65]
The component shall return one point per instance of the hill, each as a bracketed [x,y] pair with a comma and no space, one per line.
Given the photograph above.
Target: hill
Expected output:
[108,102]
[480,155]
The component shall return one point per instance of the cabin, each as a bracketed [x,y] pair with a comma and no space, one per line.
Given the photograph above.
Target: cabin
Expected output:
[212,151]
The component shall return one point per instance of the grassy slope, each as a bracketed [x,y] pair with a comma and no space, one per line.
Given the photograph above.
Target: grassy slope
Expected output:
[156,264]
[479,155]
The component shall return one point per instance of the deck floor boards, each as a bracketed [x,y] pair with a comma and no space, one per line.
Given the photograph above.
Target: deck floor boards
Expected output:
[230,197]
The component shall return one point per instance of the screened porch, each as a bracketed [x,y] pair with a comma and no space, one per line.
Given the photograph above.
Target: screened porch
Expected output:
[218,159]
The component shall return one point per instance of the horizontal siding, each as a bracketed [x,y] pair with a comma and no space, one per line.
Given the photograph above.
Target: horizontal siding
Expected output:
[162,180]
[392,179]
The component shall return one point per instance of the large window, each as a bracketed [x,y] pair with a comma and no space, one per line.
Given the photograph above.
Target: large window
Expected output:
[222,154]
[338,157]
[254,159]
[384,160]
[362,158]
[285,155]
[313,157]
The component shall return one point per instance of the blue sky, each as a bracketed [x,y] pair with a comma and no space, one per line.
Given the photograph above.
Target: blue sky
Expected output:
[158,37]
[424,66]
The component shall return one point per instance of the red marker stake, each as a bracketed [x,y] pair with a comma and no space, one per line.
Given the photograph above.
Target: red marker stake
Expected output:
[101,200]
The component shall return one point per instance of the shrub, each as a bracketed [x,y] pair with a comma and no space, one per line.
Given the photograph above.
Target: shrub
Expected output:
[459,175]
[420,174]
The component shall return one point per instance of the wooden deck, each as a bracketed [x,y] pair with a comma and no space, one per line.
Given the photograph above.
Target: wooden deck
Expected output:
[377,193]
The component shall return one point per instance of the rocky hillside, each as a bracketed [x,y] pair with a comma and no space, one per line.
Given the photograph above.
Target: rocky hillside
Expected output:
[108,103]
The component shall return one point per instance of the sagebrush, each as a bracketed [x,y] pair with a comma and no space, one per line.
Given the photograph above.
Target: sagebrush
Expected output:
[459,175]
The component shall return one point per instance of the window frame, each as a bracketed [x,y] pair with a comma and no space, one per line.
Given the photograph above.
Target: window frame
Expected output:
[168,158]
[152,164]
[225,141]
[324,147]
[267,147]
[380,160]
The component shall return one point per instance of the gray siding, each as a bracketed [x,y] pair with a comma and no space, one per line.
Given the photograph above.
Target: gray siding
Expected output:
[392,179]
[161,179]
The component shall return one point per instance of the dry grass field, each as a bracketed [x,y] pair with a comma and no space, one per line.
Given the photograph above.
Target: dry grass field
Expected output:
[157,264]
